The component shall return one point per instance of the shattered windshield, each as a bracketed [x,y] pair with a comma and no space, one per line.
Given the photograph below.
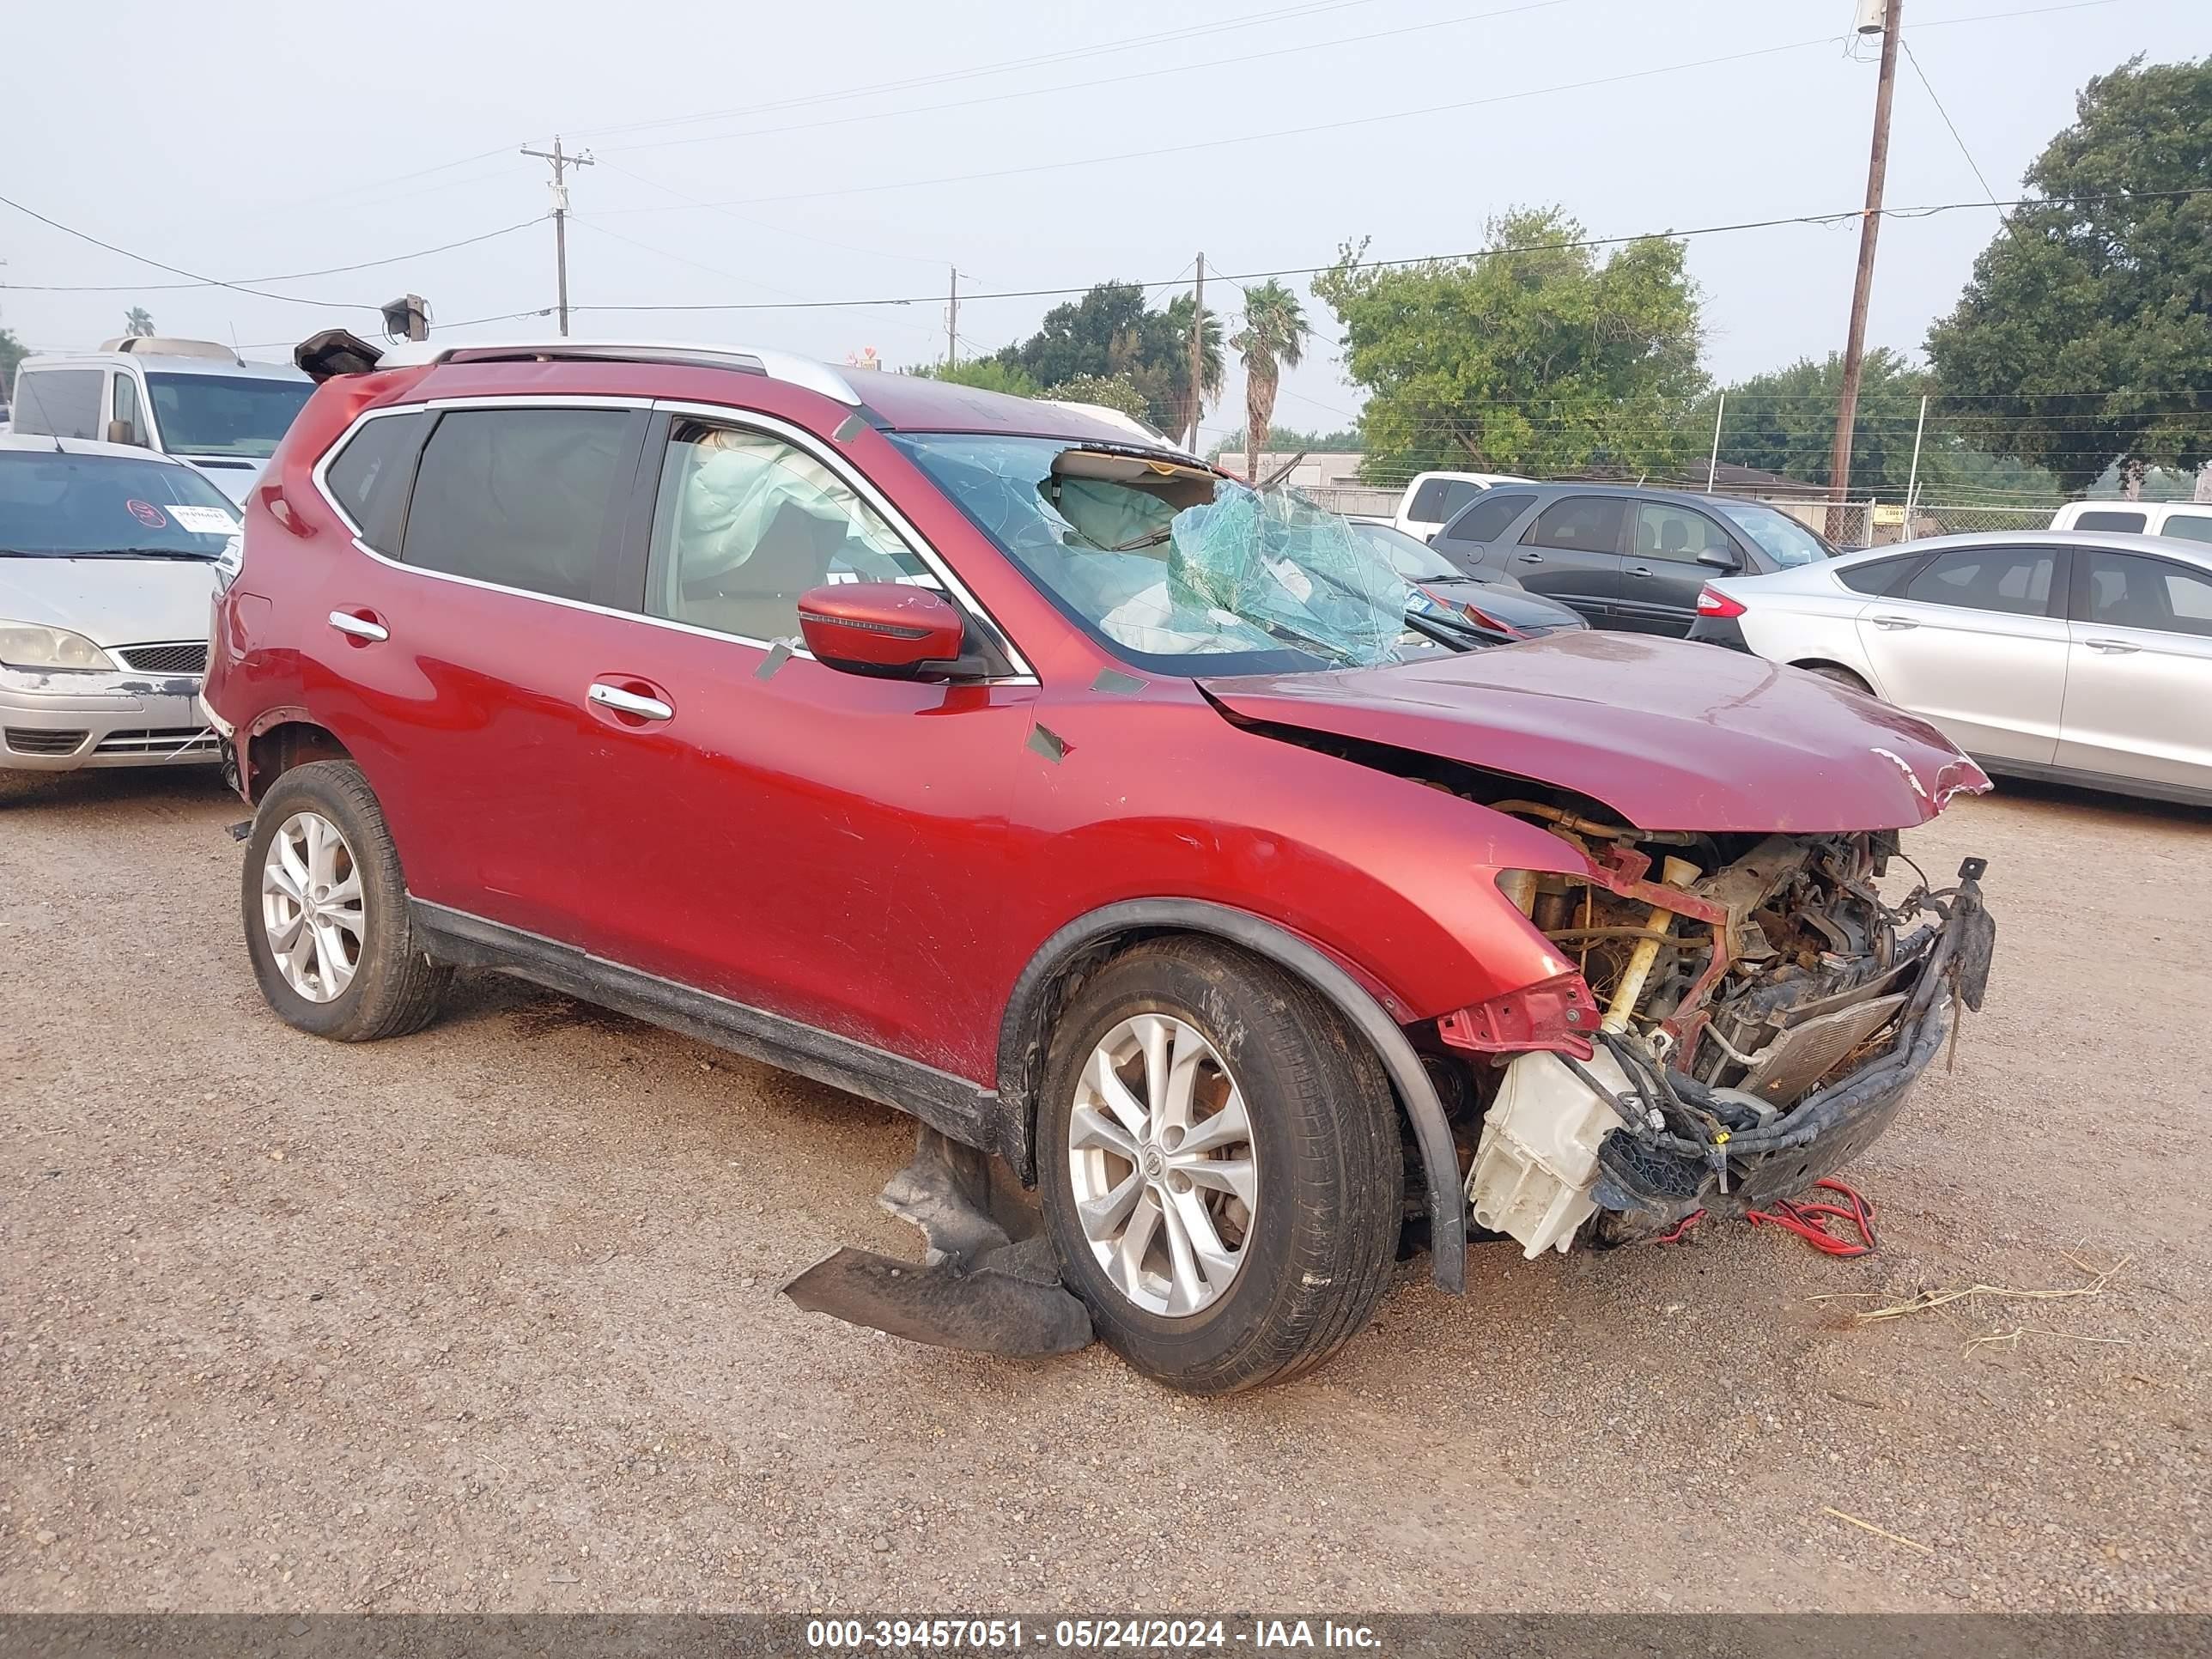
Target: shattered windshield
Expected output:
[1165,563]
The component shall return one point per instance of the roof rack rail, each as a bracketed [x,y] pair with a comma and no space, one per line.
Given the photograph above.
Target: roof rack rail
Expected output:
[336,352]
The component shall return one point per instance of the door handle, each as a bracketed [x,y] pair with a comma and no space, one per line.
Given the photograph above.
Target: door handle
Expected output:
[1532,558]
[2111,647]
[1894,622]
[629,702]
[1639,570]
[359,628]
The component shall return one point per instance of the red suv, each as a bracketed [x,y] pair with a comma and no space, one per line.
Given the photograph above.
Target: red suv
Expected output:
[984,758]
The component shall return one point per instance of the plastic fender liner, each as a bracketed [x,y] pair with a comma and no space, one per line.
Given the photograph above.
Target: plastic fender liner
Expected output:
[1431,1132]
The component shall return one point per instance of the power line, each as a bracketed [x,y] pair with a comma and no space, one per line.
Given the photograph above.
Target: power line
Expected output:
[468,322]
[1241,278]
[179,270]
[1241,58]
[1913,57]
[287,276]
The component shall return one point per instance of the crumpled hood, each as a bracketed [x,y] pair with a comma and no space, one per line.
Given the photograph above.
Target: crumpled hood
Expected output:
[1669,734]
[110,601]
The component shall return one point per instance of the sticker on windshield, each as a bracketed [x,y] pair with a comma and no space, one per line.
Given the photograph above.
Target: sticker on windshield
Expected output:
[204,521]
[147,513]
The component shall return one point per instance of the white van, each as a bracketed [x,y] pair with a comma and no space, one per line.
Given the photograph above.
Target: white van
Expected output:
[2189,521]
[1433,500]
[193,400]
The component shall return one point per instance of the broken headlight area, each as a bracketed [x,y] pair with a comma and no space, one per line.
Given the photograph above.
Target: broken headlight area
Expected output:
[1745,1016]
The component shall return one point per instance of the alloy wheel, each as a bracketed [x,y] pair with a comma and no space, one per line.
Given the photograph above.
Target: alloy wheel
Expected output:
[1165,1170]
[311,905]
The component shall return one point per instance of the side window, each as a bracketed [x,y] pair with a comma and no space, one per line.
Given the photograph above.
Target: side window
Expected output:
[64,403]
[522,497]
[1490,516]
[369,478]
[2111,520]
[1877,575]
[2129,591]
[1589,523]
[1664,531]
[2188,527]
[745,523]
[2016,580]
[126,410]
[1428,503]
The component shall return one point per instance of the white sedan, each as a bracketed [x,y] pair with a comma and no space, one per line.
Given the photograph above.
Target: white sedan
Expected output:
[2060,654]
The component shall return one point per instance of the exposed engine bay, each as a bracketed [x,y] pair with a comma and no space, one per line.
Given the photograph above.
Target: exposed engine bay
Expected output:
[1745,1014]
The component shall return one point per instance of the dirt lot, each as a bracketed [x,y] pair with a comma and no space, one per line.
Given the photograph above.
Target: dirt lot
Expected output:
[486,1317]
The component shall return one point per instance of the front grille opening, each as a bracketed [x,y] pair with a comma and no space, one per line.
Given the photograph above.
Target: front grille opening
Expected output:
[182,657]
[23,740]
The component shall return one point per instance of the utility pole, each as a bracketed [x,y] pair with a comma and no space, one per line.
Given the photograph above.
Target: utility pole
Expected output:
[1847,404]
[952,322]
[1197,348]
[561,162]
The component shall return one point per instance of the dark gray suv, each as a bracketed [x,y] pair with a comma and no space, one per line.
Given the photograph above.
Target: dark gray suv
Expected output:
[1623,556]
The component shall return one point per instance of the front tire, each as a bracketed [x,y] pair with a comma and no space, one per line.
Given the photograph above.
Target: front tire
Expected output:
[1220,1165]
[325,911]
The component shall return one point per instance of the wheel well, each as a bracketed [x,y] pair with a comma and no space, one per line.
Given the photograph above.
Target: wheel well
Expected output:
[1830,662]
[1021,1052]
[270,754]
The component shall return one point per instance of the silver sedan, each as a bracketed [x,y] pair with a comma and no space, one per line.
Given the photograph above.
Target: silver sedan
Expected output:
[2060,654]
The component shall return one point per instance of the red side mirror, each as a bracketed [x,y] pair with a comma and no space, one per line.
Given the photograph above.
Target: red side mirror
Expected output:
[884,628]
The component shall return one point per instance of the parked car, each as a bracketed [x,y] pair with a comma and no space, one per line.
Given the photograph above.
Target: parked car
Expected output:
[192,399]
[2073,655]
[1498,602]
[2189,521]
[1622,555]
[1104,814]
[1432,500]
[109,559]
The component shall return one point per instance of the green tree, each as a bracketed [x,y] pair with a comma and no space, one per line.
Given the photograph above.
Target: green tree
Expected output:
[1291,440]
[2085,336]
[1110,332]
[986,373]
[1784,421]
[12,352]
[138,322]
[1534,356]
[1273,339]
[1114,391]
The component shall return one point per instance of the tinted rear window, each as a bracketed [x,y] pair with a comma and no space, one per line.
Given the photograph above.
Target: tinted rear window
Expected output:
[2014,579]
[1490,516]
[1876,575]
[521,497]
[369,477]
[1589,523]
[1440,499]
[2189,527]
[2111,520]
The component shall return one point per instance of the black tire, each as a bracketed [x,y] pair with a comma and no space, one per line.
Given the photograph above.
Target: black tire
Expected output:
[395,985]
[1330,1174]
[1840,675]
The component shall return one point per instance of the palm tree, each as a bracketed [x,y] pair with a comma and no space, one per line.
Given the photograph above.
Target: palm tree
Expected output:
[1274,339]
[136,323]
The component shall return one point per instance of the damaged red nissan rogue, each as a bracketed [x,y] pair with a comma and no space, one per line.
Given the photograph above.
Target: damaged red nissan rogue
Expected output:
[1114,819]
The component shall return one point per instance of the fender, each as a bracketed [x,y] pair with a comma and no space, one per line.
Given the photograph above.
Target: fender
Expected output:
[1021,1044]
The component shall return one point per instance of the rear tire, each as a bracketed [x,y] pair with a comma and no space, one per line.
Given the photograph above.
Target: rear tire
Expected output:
[326,923]
[1840,675]
[1276,1285]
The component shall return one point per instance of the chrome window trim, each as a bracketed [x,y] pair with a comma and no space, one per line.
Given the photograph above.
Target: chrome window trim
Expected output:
[1023,674]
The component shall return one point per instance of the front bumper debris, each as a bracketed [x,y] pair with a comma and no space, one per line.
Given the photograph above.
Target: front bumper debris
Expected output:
[56,722]
[988,1284]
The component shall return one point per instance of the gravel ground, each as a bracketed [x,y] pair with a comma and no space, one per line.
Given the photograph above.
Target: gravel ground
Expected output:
[487,1318]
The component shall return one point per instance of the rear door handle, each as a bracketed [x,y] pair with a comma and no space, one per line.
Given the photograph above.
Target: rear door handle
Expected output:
[1894,622]
[1639,570]
[1532,558]
[629,702]
[2115,648]
[359,628]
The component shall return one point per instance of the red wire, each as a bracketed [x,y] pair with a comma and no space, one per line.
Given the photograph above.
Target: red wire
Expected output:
[1808,1221]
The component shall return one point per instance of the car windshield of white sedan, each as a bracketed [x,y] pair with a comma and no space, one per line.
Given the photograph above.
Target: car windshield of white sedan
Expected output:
[56,505]
[1164,562]
[1781,536]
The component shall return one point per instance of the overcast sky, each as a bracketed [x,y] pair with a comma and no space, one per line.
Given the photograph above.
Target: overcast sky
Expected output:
[855,150]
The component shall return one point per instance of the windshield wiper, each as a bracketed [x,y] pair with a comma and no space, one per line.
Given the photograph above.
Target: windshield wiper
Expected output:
[130,553]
